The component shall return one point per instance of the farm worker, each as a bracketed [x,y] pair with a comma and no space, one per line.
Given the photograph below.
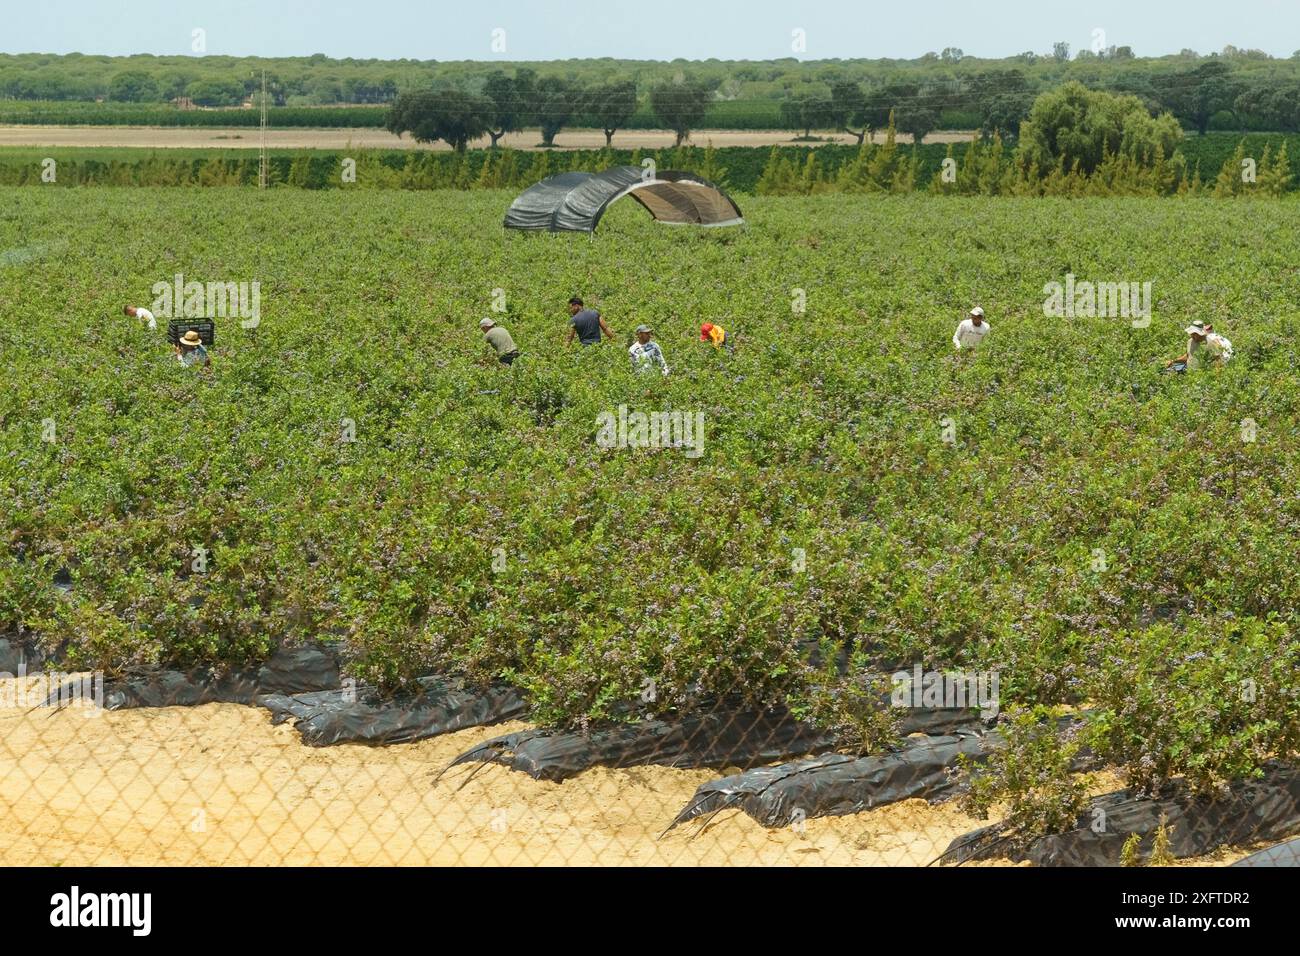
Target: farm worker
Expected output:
[646,353]
[144,315]
[716,335]
[499,339]
[586,323]
[1196,347]
[190,350]
[1220,348]
[971,330]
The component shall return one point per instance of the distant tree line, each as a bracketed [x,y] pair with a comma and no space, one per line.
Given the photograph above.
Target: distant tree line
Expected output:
[1000,100]
[1229,89]
[1074,142]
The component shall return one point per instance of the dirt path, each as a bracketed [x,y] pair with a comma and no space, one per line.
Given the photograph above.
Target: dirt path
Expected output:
[155,137]
[218,785]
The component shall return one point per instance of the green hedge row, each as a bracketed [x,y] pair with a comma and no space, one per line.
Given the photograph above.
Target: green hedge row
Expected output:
[734,114]
[736,168]
[49,113]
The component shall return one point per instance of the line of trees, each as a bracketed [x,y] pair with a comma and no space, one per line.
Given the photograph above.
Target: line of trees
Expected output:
[1000,99]
[1075,142]
[509,103]
[1235,82]
[139,86]
[1237,89]
[846,105]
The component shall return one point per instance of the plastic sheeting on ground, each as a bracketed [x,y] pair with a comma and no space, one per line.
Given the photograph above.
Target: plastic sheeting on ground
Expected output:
[728,736]
[364,716]
[938,720]
[1252,810]
[17,655]
[288,671]
[838,784]
[744,737]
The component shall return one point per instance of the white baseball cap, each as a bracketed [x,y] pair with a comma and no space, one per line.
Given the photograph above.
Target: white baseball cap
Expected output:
[485,323]
[977,311]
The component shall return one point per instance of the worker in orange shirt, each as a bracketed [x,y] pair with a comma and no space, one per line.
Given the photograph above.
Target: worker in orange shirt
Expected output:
[716,335]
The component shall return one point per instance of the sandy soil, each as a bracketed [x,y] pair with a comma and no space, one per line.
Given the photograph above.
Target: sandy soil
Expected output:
[195,138]
[218,785]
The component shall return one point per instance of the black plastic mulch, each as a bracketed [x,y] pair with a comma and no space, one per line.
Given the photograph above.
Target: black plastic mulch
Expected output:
[288,671]
[1252,810]
[838,784]
[732,734]
[19,654]
[744,737]
[441,706]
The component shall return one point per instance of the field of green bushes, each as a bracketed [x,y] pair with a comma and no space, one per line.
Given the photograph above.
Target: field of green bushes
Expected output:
[1052,507]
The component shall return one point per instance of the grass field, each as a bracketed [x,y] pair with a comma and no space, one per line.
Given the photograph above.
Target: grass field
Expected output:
[1052,507]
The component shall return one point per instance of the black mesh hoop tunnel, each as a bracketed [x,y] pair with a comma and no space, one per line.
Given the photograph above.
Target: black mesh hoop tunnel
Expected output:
[575,202]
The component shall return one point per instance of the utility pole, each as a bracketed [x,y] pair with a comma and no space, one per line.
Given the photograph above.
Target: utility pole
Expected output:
[262,169]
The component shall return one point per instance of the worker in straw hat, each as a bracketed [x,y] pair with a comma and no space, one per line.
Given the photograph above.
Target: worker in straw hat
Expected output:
[1197,349]
[645,353]
[499,339]
[971,330]
[190,350]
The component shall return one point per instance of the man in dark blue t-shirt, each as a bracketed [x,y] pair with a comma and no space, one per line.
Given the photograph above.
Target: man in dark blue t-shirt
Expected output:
[586,324]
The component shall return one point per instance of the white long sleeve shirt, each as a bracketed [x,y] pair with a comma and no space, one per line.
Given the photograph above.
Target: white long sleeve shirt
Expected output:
[968,334]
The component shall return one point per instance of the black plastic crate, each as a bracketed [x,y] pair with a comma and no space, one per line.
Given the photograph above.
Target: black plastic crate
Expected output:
[206,328]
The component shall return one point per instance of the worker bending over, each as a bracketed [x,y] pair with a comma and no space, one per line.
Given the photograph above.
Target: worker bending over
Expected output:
[499,339]
[716,335]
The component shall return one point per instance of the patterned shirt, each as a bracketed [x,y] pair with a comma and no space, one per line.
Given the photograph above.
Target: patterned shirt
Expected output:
[647,354]
[195,356]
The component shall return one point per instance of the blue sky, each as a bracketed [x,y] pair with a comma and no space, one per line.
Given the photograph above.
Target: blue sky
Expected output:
[649,29]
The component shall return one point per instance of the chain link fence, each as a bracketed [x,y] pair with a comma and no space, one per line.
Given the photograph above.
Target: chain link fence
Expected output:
[266,767]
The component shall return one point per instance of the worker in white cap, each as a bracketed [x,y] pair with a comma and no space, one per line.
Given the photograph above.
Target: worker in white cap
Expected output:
[499,339]
[645,353]
[971,330]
